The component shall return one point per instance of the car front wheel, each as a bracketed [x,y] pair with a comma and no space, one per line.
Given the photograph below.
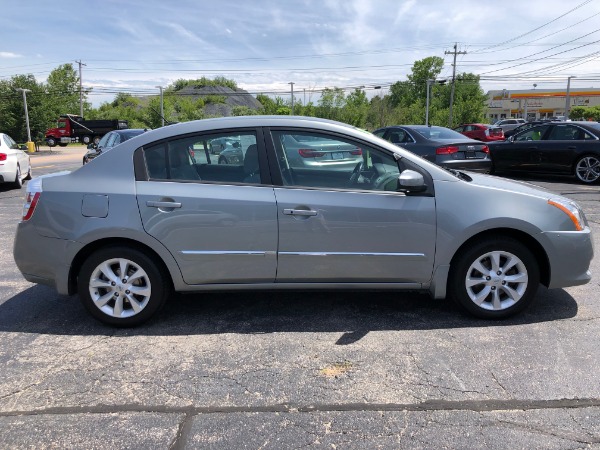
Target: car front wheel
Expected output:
[494,278]
[122,286]
[18,178]
[587,169]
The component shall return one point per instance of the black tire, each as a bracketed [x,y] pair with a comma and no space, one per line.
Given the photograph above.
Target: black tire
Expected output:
[223,160]
[496,290]
[86,139]
[587,169]
[112,302]
[28,177]
[51,142]
[18,183]
[62,144]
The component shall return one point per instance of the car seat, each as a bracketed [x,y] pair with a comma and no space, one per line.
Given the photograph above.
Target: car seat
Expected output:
[179,163]
[251,167]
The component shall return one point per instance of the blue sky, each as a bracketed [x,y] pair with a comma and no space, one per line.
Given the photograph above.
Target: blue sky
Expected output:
[134,46]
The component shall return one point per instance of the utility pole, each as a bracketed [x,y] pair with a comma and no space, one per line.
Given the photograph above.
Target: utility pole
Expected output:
[80,89]
[455,52]
[291,83]
[162,111]
[429,82]
[567,97]
[30,146]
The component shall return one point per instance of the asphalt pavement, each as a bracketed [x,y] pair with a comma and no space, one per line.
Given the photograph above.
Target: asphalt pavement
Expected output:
[297,369]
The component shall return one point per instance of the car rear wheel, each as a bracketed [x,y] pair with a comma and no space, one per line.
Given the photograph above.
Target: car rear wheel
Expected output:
[587,169]
[494,278]
[122,286]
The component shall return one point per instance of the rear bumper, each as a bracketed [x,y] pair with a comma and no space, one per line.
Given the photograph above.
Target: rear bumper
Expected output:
[473,165]
[42,259]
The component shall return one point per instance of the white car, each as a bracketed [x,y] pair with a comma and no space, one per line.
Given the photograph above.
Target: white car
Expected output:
[14,162]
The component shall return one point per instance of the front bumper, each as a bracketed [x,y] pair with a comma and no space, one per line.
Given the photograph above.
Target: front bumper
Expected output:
[569,254]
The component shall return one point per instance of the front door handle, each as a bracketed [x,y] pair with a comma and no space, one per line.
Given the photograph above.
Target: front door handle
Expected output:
[299,212]
[152,204]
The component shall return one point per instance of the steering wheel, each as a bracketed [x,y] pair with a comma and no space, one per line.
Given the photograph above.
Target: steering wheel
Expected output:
[355,174]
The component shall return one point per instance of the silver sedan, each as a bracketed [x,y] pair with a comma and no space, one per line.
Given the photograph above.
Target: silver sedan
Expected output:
[162,215]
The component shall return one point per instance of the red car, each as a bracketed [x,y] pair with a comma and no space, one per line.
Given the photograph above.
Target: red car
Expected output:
[481,132]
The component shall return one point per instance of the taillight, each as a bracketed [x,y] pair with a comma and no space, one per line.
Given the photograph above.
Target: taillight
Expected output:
[358,151]
[30,203]
[3,156]
[447,150]
[485,149]
[309,153]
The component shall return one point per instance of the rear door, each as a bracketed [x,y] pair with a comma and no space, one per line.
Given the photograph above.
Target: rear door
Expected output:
[218,221]
[561,146]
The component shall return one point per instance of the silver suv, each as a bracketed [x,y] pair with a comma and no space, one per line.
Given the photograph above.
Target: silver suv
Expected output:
[509,124]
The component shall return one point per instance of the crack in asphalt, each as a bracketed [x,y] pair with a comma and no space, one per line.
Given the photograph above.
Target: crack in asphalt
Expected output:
[428,405]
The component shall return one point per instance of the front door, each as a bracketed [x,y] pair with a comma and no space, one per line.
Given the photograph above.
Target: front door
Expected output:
[355,227]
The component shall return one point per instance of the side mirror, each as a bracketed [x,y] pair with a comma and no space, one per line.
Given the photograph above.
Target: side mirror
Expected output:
[411,181]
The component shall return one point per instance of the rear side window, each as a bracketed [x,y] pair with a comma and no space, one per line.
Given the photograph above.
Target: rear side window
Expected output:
[230,158]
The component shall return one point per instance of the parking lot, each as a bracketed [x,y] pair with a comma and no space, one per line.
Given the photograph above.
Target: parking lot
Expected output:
[301,369]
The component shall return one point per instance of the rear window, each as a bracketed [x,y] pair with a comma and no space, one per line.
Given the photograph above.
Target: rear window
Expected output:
[438,133]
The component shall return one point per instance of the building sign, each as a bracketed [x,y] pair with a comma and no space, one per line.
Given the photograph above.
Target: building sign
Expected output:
[495,104]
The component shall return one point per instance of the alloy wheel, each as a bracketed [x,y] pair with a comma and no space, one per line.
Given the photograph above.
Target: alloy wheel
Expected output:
[120,288]
[588,169]
[496,280]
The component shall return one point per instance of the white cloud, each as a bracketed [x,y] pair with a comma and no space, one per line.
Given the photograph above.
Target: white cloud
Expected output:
[10,55]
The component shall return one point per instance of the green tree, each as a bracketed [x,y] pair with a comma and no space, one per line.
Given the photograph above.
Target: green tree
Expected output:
[12,110]
[406,93]
[585,113]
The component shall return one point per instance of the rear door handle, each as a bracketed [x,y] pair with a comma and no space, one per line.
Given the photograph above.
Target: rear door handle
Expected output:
[299,212]
[152,204]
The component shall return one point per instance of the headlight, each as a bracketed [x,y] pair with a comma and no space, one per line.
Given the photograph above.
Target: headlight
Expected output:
[570,209]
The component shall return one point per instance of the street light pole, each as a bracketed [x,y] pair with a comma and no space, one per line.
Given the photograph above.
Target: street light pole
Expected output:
[567,96]
[162,112]
[25,91]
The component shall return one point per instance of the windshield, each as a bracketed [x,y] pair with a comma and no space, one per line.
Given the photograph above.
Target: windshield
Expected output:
[438,133]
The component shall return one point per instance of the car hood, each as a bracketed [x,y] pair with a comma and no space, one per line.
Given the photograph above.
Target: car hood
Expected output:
[521,187]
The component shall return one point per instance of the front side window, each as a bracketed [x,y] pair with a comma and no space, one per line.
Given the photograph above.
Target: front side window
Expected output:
[315,160]
[195,159]
[399,136]
[532,134]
